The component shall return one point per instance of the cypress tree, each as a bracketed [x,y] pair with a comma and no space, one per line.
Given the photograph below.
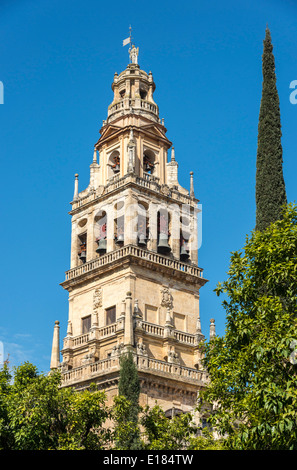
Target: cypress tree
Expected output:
[270,185]
[129,387]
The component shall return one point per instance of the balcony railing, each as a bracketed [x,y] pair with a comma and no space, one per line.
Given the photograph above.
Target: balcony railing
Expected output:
[157,330]
[131,250]
[147,181]
[81,340]
[143,363]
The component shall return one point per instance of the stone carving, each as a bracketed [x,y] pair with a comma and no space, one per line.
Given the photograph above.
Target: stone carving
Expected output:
[165,190]
[88,359]
[97,299]
[140,348]
[173,357]
[133,52]
[117,349]
[167,299]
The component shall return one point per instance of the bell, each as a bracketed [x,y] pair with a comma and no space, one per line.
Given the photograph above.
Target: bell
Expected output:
[184,253]
[82,256]
[163,246]
[141,239]
[101,246]
[120,239]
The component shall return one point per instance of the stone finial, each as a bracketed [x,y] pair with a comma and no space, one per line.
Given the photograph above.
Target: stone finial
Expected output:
[173,154]
[75,196]
[128,330]
[55,357]
[212,329]
[191,184]
[69,328]
[95,156]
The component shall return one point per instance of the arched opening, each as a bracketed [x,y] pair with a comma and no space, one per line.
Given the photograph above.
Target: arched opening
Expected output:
[143,93]
[163,221]
[101,232]
[173,412]
[114,163]
[82,247]
[149,162]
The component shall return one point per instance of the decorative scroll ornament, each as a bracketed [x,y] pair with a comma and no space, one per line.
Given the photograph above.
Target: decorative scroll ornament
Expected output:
[167,299]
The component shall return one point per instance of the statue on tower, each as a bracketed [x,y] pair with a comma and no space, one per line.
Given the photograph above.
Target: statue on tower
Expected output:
[133,52]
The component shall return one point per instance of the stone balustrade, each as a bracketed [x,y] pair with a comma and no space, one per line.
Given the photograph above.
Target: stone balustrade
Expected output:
[118,108]
[143,363]
[147,181]
[153,329]
[131,250]
[99,333]
[109,330]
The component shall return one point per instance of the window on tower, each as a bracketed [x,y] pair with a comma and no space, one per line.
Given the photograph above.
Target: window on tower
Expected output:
[86,324]
[82,247]
[163,232]
[149,162]
[101,232]
[143,94]
[110,315]
[114,164]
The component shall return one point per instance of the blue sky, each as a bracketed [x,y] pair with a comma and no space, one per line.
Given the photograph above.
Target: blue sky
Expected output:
[57,62]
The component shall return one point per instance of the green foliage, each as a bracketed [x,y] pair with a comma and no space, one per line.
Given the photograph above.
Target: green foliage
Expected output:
[126,409]
[206,442]
[177,433]
[163,433]
[126,433]
[36,414]
[270,186]
[253,381]
[129,385]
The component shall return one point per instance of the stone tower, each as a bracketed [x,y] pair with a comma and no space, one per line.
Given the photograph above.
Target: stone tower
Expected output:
[134,279]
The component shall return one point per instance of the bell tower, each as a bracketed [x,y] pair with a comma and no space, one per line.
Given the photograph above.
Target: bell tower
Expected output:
[134,280]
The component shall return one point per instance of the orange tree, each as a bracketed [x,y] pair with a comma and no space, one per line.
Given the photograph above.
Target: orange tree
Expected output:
[253,382]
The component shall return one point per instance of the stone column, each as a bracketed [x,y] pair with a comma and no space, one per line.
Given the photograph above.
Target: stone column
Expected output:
[128,331]
[131,213]
[212,329]
[153,233]
[175,231]
[110,228]
[193,245]
[75,196]
[55,357]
